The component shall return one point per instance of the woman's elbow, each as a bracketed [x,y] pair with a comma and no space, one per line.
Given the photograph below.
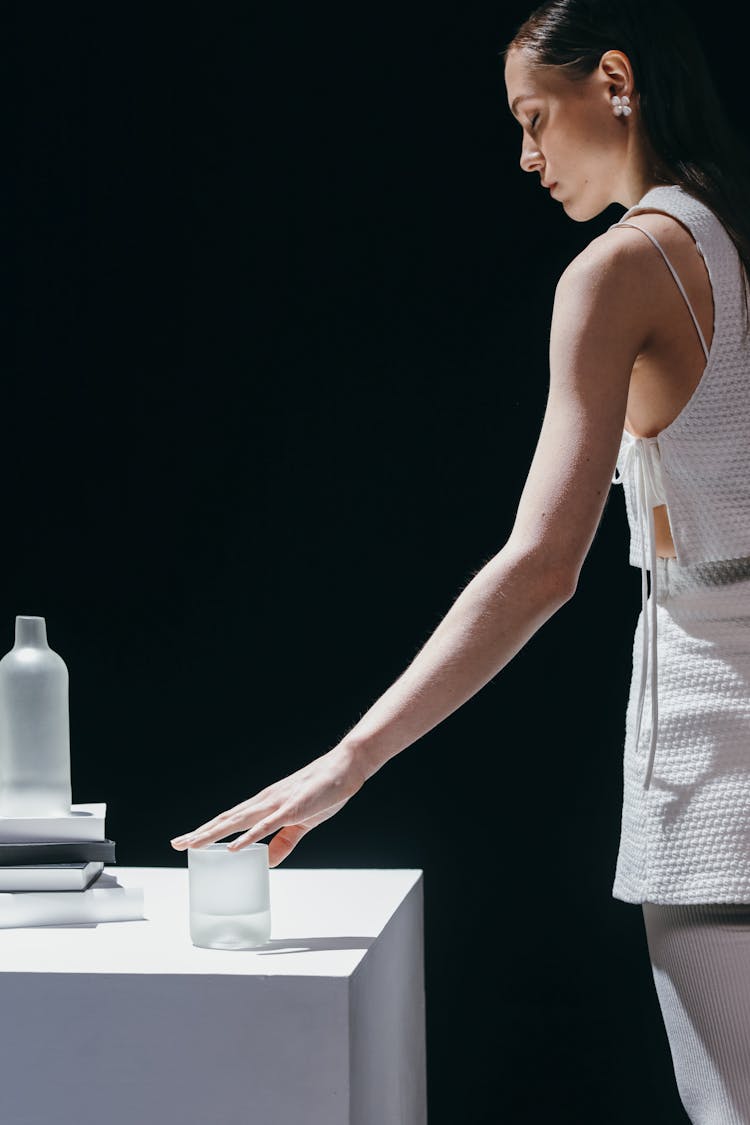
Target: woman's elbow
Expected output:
[541,572]
[546,571]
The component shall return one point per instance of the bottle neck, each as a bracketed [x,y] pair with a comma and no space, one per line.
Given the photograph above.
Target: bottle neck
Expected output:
[31,632]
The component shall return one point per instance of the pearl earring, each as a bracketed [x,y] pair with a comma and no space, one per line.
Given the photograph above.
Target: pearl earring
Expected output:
[621,105]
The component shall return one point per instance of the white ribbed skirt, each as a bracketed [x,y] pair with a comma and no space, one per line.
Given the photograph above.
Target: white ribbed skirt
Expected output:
[686,839]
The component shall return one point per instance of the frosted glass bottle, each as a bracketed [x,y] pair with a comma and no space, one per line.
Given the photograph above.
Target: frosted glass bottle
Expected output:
[34,726]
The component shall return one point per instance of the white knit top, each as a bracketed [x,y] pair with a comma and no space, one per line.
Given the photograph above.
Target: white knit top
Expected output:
[698,465]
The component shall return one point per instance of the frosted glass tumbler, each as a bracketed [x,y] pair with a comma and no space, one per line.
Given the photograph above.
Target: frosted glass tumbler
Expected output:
[229,892]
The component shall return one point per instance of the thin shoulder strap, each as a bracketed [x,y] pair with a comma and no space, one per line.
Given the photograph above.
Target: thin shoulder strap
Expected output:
[629,223]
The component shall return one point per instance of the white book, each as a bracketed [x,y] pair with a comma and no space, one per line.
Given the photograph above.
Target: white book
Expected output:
[83,822]
[49,876]
[105,900]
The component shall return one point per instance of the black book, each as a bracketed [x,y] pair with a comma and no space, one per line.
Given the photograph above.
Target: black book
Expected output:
[63,851]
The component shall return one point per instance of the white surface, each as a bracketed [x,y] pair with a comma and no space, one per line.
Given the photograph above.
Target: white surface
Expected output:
[127,1021]
[325,918]
[85,822]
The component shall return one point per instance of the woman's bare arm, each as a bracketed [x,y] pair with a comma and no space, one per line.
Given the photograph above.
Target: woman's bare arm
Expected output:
[601,320]
[598,326]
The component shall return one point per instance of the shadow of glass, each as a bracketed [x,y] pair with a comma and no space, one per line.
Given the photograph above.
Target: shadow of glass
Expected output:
[307,945]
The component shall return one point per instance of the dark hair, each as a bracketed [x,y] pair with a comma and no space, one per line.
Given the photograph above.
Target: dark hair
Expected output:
[683,118]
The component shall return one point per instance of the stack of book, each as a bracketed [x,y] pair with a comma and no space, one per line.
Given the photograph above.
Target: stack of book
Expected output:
[52,871]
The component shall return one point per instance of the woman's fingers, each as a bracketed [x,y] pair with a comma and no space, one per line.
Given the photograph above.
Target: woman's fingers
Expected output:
[214,829]
[260,829]
[263,828]
[295,803]
[283,843]
[288,836]
[182,842]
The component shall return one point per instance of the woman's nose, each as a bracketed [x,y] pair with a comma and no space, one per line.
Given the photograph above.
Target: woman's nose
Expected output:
[531,159]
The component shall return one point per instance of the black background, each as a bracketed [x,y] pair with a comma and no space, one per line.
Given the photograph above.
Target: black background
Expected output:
[279,323]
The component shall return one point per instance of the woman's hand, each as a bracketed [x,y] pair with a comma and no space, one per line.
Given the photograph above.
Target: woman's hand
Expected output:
[294,805]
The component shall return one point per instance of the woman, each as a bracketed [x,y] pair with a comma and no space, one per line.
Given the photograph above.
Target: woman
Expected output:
[649,375]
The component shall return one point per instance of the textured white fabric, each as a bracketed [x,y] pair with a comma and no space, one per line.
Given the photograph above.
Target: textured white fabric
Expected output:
[640,468]
[700,961]
[686,839]
[704,454]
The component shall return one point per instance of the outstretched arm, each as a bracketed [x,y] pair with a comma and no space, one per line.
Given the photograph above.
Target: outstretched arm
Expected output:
[599,324]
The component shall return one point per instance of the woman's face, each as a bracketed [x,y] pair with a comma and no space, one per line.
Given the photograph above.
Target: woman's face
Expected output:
[571,137]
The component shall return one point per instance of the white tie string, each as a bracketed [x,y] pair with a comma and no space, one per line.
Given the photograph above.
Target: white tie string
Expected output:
[646,491]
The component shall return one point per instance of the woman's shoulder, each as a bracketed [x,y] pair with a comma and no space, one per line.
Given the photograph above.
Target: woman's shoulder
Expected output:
[629,263]
[626,250]
[621,266]
[604,294]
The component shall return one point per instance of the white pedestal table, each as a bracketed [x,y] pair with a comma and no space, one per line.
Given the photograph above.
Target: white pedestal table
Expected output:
[126,1022]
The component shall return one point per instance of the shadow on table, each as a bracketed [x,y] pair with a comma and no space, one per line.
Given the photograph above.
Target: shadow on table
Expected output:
[305,945]
[81,925]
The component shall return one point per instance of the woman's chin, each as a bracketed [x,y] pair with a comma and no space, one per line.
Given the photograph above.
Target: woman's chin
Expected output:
[576,213]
